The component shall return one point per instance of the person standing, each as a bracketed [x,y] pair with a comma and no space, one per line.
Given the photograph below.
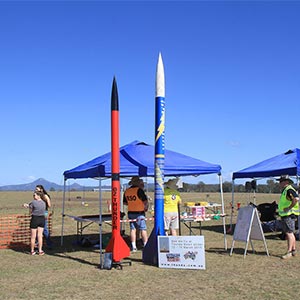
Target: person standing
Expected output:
[37,223]
[136,200]
[138,233]
[288,209]
[172,200]
[47,199]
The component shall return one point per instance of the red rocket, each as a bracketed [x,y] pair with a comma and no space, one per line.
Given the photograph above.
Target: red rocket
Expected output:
[117,246]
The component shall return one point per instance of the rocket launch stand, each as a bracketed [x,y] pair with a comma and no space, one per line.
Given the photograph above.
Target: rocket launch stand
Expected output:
[119,265]
[108,262]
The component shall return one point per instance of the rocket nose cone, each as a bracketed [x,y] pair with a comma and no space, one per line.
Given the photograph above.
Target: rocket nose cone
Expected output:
[114,96]
[160,78]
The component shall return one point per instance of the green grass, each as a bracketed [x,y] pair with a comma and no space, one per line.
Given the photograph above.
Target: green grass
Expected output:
[72,272]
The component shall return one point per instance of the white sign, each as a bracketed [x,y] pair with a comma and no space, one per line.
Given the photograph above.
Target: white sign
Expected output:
[181,252]
[248,222]
[248,228]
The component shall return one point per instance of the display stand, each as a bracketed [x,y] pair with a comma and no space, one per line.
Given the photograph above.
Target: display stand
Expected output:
[248,228]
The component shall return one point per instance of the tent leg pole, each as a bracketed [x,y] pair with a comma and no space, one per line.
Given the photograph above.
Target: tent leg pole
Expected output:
[63,214]
[100,224]
[232,206]
[223,211]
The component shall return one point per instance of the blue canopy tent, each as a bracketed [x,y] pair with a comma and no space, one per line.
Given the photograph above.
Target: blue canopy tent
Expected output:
[287,163]
[137,159]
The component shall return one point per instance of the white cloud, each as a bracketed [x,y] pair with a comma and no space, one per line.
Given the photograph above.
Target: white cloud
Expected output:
[234,144]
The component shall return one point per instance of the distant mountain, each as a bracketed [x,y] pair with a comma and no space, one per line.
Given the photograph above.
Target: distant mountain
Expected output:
[47,185]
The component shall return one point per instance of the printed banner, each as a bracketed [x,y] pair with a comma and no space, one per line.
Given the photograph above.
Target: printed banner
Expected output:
[181,252]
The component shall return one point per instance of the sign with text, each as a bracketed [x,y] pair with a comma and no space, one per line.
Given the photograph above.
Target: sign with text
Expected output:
[181,252]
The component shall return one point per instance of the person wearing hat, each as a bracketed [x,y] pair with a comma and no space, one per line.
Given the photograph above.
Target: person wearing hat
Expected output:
[288,209]
[172,200]
[137,201]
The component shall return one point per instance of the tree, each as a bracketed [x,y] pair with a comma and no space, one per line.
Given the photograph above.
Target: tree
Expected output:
[271,185]
[227,187]
[200,187]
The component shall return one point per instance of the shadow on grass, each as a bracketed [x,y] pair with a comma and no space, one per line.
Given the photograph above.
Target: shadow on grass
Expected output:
[236,251]
[220,251]
[135,259]
[215,228]
[71,244]
[77,259]
[275,235]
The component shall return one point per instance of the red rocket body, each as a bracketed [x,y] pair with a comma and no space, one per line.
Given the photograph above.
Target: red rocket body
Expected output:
[117,246]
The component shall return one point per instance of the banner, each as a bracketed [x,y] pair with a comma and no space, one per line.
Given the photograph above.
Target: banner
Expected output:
[181,252]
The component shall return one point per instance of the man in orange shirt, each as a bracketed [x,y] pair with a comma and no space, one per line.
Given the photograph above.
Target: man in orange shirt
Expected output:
[136,200]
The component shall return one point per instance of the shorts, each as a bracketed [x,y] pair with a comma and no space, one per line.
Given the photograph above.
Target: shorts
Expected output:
[140,222]
[171,220]
[37,221]
[288,224]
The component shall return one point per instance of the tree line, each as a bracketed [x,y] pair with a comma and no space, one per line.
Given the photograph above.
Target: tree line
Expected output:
[271,187]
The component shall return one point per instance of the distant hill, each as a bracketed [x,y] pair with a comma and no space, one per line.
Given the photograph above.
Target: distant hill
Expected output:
[47,185]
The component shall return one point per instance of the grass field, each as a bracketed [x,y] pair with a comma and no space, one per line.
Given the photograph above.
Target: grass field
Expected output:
[72,272]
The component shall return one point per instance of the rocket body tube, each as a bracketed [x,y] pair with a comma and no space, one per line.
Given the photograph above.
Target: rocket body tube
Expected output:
[159,147]
[116,245]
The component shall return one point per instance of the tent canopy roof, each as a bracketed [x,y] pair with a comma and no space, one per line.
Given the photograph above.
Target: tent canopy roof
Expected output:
[287,163]
[137,158]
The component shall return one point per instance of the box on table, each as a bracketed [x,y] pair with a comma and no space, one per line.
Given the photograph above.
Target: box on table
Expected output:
[189,204]
[198,211]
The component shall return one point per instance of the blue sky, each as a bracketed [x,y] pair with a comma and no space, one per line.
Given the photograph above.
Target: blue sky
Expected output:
[232,73]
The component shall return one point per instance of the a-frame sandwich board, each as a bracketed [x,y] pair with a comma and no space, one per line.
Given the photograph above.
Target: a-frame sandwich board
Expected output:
[248,228]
